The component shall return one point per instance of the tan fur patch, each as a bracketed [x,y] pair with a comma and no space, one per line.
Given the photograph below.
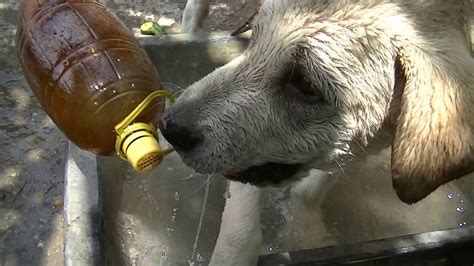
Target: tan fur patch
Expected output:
[434,141]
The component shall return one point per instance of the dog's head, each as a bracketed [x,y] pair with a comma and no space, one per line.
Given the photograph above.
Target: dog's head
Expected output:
[318,75]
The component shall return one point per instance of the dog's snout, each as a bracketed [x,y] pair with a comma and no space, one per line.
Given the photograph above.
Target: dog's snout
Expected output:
[181,136]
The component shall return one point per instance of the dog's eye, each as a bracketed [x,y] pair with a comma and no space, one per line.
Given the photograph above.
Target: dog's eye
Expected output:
[295,84]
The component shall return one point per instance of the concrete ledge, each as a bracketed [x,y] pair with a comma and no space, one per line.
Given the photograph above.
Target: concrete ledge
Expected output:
[82,210]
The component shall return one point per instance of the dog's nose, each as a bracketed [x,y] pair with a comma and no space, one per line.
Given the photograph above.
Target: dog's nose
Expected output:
[180,136]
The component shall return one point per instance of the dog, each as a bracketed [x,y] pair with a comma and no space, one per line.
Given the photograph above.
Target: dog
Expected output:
[317,77]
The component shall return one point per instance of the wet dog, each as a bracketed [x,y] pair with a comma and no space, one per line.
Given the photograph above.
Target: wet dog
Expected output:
[318,76]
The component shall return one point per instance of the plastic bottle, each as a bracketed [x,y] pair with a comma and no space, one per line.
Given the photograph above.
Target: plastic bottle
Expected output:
[89,72]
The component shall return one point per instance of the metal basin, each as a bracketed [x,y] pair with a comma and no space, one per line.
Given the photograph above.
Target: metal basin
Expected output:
[171,216]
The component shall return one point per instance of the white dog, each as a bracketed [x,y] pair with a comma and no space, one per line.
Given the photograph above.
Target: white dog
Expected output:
[318,76]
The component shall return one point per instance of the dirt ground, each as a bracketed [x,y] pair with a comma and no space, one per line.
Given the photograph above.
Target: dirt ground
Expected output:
[33,150]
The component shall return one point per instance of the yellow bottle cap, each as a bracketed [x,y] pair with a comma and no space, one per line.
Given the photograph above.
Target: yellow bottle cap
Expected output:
[138,144]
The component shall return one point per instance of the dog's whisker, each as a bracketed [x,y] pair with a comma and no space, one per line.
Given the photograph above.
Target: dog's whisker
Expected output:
[293,70]
[209,179]
[199,188]
[358,144]
[340,166]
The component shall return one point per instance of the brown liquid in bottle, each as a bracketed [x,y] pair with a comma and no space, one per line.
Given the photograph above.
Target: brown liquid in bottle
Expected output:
[86,69]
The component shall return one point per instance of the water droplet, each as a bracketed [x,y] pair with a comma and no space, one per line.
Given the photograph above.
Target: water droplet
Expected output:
[114,91]
[133,85]
[226,195]
[96,103]
[462,224]
[270,249]
[450,196]
[176,196]
[461,201]
[40,244]
[460,209]
[163,254]
[118,59]
[459,195]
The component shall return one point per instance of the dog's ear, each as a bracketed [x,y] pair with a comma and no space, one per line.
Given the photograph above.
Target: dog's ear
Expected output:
[434,136]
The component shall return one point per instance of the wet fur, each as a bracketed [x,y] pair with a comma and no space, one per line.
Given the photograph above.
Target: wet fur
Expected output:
[404,63]
[355,54]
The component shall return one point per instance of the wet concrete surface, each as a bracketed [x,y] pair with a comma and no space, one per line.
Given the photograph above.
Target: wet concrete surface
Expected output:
[33,150]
